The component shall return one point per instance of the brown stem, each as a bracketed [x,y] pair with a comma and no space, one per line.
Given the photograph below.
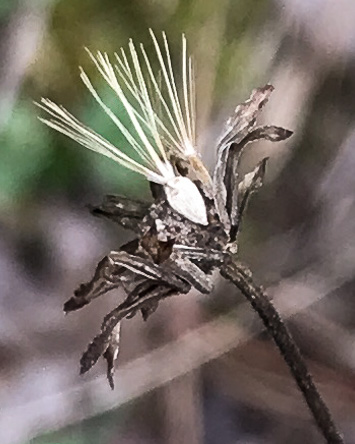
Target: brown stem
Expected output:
[241,276]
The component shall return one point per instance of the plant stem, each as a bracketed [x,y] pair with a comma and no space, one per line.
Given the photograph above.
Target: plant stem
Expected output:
[241,276]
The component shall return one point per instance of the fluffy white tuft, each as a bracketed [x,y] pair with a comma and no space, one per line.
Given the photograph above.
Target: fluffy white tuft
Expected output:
[162,120]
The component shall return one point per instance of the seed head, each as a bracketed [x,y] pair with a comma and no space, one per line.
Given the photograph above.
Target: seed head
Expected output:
[161,121]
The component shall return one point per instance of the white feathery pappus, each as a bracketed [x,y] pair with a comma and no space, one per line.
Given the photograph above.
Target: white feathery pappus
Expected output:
[154,136]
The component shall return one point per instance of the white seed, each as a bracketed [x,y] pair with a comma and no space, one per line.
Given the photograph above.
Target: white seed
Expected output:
[185,198]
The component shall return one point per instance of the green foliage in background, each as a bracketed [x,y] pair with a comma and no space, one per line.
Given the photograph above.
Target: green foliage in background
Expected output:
[97,430]
[37,162]
[36,159]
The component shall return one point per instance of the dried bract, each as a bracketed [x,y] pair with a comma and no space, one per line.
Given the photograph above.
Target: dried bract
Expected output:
[193,222]
[172,253]
[192,226]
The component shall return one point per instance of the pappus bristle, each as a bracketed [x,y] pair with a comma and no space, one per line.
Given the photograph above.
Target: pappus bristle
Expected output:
[153,137]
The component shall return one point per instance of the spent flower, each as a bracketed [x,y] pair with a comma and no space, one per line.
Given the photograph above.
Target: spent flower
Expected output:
[192,226]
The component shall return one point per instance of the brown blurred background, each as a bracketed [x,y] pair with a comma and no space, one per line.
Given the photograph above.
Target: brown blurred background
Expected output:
[201,370]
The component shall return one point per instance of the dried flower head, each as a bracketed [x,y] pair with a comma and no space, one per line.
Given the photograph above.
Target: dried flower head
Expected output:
[192,225]
[193,222]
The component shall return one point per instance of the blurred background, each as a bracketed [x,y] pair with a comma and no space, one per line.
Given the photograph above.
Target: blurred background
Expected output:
[200,370]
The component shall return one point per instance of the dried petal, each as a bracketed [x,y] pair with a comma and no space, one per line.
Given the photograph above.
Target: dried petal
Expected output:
[237,128]
[133,303]
[111,354]
[269,132]
[126,212]
[108,276]
[244,117]
[250,183]
[100,284]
